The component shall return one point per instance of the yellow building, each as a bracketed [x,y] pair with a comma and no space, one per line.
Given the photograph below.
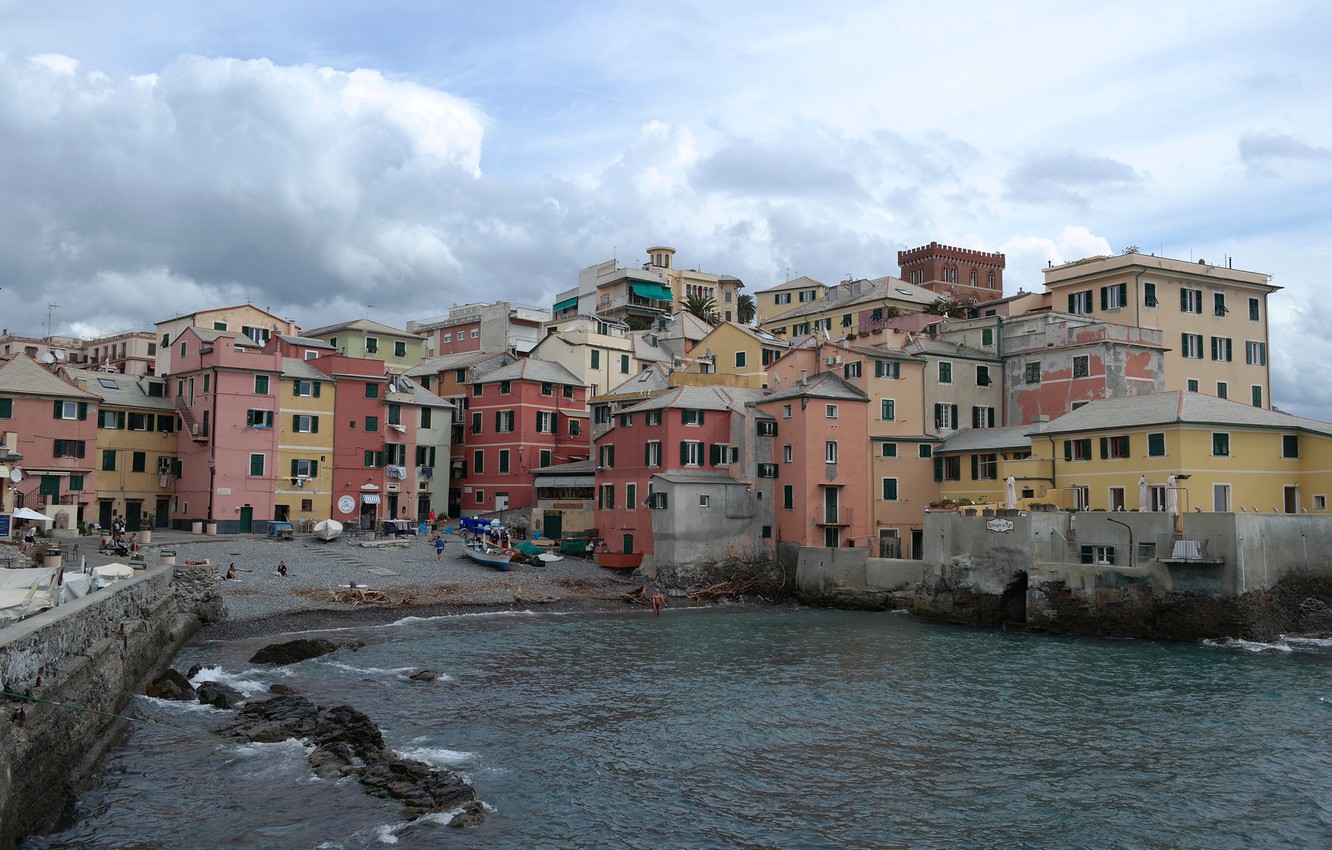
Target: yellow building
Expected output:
[732,349]
[1180,450]
[852,307]
[258,325]
[305,443]
[785,297]
[136,462]
[1213,318]
[400,350]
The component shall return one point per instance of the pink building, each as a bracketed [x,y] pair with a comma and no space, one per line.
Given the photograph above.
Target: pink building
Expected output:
[226,392]
[823,462]
[359,455]
[49,428]
[520,417]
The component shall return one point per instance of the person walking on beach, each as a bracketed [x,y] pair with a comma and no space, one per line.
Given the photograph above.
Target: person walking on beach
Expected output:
[439,548]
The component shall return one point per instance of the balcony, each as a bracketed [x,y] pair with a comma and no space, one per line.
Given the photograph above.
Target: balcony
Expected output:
[836,518]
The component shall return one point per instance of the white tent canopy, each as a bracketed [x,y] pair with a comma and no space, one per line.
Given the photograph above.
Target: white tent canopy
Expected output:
[29,513]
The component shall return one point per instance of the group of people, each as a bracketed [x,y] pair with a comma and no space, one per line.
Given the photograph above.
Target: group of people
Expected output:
[233,573]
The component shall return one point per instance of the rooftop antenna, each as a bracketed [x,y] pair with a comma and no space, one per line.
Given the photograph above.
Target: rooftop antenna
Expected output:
[49,308]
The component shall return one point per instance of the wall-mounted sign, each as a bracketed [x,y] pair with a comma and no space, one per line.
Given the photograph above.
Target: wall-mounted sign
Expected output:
[999,526]
[346,505]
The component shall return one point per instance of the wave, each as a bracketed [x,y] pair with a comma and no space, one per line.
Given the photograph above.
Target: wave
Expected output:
[398,672]
[239,681]
[436,756]
[1282,645]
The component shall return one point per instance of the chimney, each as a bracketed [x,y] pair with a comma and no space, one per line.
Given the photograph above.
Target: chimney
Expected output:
[803,375]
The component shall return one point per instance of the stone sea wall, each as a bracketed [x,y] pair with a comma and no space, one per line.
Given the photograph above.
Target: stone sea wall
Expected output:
[77,664]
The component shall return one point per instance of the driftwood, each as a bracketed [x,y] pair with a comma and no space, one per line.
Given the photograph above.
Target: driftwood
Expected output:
[735,587]
[360,596]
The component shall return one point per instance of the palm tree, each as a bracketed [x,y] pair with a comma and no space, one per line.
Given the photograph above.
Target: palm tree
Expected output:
[704,307]
[745,309]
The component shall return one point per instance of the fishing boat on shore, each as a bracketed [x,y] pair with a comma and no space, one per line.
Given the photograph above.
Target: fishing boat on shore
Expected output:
[488,544]
[619,560]
[327,529]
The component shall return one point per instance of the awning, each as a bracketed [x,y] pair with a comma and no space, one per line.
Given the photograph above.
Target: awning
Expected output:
[565,304]
[369,498]
[654,291]
[566,481]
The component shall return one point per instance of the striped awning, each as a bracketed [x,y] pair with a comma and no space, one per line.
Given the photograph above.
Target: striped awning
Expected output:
[566,481]
[653,291]
[566,304]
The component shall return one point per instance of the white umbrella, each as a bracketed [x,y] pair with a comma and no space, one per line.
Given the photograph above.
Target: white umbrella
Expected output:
[1010,492]
[29,513]
[1142,493]
[1172,496]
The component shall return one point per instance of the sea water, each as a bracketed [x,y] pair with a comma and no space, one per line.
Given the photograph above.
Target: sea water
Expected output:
[755,728]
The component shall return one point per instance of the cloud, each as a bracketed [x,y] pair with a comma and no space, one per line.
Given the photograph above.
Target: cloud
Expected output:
[1067,177]
[750,168]
[1260,150]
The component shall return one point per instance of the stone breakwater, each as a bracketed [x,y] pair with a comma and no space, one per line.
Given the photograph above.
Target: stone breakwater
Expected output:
[71,669]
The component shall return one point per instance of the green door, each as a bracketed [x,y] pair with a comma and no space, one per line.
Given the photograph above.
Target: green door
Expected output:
[552,525]
[247,520]
[163,515]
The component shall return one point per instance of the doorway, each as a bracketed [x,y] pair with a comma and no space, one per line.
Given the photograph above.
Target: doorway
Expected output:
[1291,497]
[246,519]
[552,525]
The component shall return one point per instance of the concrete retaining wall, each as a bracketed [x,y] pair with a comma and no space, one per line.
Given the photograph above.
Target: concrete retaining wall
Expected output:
[93,653]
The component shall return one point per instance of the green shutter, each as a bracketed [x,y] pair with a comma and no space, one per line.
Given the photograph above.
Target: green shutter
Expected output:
[684,453]
[1071,304]
[938,468]
[1105,448]
[714,454]
[1105,298]
[314,424]
[1088,556]
[1184,300]
[294,463]
[6,408]
[975,467]
[316,388]
[59,408]
[1068,450]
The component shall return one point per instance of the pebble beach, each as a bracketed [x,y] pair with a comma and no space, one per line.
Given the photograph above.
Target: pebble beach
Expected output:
[402,578]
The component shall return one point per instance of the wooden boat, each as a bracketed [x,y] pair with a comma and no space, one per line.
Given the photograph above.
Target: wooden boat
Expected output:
[489,545]
[620,560]
[488,555]
[327,529]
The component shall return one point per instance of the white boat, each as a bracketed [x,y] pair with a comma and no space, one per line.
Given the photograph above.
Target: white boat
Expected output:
[487,555]
[327,529]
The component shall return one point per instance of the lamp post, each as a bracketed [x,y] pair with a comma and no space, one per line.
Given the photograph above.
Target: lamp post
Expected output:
[1130,531]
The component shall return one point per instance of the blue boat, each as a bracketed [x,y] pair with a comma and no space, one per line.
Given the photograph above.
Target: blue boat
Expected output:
[486,542]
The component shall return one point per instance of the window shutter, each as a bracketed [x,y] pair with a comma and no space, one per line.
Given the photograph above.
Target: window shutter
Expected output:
[938,468]
[938,415]
[684,417]
[314,424]
[952,410]
[1184,300]
[714,454]
[1071,304]
[1068,450]
[1105,298]
[294,464]
[316,388]
[975,467]
[295,422]
[1123,294]
[647,454]
[1105,448]
[59,408]
[684,453]
[120,419]
[1088,555]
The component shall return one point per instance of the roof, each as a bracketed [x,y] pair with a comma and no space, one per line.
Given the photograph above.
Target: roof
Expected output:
[212,310]
[822,385]
[295,367]
[578,467]
[413,393]
[801,282]
[701,398]
[940,348]
[1178,407]
[366,325]
[449,362]
[21,375]
[529,369]
[118,390]
[305,341]
[213,335]
[654,377]
[990,439]
[702,476]
[871,292]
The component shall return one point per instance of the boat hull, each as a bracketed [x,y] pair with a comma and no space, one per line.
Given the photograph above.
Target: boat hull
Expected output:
[620,560]
[498,560]
[327,529]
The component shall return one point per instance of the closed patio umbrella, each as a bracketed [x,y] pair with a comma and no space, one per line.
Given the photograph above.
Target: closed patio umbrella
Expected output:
[1142,494]
[1010,492]
[1172,496]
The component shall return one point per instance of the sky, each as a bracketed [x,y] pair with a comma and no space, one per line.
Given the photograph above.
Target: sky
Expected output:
[330,160]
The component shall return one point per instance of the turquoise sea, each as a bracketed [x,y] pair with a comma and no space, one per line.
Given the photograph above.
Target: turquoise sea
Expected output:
[756,727]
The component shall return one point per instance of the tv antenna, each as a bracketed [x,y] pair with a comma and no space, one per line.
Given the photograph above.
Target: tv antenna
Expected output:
[49,308]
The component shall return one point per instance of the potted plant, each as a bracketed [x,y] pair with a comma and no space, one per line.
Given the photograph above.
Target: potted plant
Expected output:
[145,528]
[196,526]
[210,527]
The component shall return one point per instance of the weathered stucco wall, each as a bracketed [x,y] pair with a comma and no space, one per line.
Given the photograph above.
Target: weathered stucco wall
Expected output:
[93,653]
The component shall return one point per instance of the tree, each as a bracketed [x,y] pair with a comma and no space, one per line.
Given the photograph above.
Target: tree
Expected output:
[745,309]
[704,307]
[944,306]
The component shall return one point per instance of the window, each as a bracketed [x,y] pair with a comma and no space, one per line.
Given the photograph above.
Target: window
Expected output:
[504,461]
[945,416]
[1290,446]
[987,337]
[766,427]
[372,390]
[1080,303]
[544,458]
[606,456]
[480,496]
[547,388]
[1191,346]
[1222,390]
[601,414]
[830,411]
[259,419]
[425,417]
[475,333]
[1219,304]
[1221,349]
[1098,555]
[70,448]
[371,345]
[887,409]
[830,451]
[71,410]
[395,414]
[307,389]
[476,423]
[138,462]
[1115,448]
[653,417]
[984,467]
[689,416]
[982,376]
[1319,501]
[1114,296]
[786,411]
[925,450]
[982,417]
[182,349]
[1253,309]
[1081,368]
[1255,353]
[652,453]
[399,348]
[372,424]
[767,470]
[208,382]
[478,462]
[626,419]
[506,387]
[504,421]
[948,468]
[260,384]
[888,450]
[945,372]
[691,453]
[1156,445]
[6,408]
[1190,300]
[302,424]
[304,468]
[631,496]
[257,464]
[567,390]
[767,532]
[545,422]
[1149,294]
[575,427]
[1077,449]
[1256,395]
[885,369]
[890,489]
[851,370]
[1193,385]
[1031,373]
[788,497]
[1220,445]
[108,460]
[596,359]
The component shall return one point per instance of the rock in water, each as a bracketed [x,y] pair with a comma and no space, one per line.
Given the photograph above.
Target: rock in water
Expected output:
[171,685]
[347,743]
[219,695]
[424,676]
[298,650]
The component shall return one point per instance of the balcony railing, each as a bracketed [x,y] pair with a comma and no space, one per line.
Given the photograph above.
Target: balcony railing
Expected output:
[839,516]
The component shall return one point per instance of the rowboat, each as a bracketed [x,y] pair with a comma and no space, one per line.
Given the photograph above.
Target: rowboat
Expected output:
[327,529]
[488,555]
[620,560]
[488,544]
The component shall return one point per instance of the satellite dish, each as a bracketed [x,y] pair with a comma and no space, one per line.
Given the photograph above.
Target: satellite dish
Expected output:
[393,388]
[48,358]
[15,476]
[60,354]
